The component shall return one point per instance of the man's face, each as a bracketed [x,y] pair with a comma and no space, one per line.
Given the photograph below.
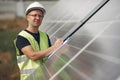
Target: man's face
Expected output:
[34,18]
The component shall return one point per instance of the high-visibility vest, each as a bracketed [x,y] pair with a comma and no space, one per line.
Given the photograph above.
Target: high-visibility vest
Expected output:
[29,69]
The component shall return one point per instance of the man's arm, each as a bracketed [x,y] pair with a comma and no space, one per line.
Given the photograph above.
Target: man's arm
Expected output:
[30,53]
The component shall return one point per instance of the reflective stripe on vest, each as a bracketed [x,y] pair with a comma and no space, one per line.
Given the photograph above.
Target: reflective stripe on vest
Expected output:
[27,71]
[22,59]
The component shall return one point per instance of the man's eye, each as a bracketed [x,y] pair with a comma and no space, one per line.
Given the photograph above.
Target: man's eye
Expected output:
[35,15]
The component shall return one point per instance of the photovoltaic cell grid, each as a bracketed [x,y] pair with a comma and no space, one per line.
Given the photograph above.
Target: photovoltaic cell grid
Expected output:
[93,51]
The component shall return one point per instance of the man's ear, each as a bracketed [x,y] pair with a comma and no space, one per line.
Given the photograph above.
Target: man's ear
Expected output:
[26,17]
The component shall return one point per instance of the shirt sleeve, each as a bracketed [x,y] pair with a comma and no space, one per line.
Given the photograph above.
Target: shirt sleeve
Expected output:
[49,42]
[21,42]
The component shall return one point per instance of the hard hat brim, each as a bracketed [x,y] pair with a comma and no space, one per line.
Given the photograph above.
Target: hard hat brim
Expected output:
[35,8]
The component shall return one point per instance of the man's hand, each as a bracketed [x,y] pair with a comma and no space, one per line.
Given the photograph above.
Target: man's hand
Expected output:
[58,42]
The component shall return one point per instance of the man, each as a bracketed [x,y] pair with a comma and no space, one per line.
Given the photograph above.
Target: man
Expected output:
[32,45]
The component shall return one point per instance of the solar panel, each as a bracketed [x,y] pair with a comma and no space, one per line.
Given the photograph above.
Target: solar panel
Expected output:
[93,51]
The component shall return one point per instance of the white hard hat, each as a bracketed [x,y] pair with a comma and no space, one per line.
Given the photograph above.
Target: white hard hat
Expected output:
[33,6]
